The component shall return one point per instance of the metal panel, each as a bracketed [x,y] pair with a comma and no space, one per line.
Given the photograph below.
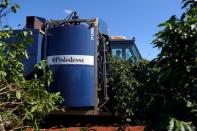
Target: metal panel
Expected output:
[103,27]
[34,50]
[36,46]
[30,62]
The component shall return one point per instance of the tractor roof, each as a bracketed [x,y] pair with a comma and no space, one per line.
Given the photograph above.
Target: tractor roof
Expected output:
[118,38]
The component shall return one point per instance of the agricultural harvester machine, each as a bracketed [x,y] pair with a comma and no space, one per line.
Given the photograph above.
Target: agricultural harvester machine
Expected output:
[77,52]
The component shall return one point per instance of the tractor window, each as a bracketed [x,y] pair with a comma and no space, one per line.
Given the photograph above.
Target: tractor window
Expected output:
[135,52]
[117,53]
[128,53]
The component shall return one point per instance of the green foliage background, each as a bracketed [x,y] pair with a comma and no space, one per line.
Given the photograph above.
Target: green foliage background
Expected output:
[23,103]
[162,93]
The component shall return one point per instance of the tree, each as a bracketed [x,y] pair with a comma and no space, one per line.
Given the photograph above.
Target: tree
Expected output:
[162,93]
[177,64]
[123,86]
[132,84]
[22,102]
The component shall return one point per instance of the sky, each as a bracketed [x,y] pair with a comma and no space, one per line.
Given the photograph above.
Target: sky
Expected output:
[130,18]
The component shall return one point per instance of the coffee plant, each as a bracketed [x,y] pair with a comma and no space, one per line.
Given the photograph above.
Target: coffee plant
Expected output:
[23,103]
[177,78]
[123,89]
[162,92]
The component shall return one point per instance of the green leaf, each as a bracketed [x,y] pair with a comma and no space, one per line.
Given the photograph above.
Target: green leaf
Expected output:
[26,54]
[34,108]
[18,95]
[8,96]
[3,73]
[17,5]
[5,3]
[29,41]
[14,9]
[25,33]
[48,82]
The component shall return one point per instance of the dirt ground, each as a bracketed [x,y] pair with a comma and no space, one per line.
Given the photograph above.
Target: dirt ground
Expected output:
[96,128]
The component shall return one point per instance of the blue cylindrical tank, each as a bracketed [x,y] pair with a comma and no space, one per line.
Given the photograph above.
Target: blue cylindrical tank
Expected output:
[70,54]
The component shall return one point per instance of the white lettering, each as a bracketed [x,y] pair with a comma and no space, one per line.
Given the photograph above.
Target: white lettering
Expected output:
[70,59]
[92,33]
